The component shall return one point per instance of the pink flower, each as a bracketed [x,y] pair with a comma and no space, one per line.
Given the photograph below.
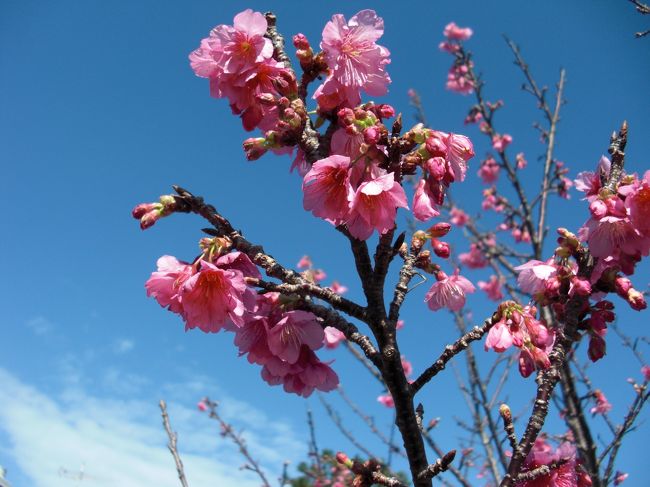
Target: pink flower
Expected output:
[400,325]
[638,205]
[327,190]
[386,400]
[602,404]
[304,262]
[202,406]
[533,276]
[453,32]
[500,142]
[474,259]
[449,292]
[302,377]
[374,206]
[333,337]
[565,475]
[458,217]
[589,182]
[499,337]
[521,161]
[423,202]
[489,170]
[460,151]
[338,288]
[459,81]
[213,297]
[165,284]
[356,62]
[295,329]
[492,288]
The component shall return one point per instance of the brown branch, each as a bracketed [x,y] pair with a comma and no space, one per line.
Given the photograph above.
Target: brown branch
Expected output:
[616,150]
[540,471]
[450,351]
[508,426]
[172,443]
[440,465]
[454,471]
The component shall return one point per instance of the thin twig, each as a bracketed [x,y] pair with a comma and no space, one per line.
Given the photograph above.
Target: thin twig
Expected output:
[172,443]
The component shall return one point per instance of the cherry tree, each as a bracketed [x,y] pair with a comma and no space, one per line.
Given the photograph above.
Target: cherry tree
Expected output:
[360,167]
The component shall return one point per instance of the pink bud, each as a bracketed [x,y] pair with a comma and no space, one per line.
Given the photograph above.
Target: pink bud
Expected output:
[440,248]
[371,135]
[645,370]
[149,219]
[622,285]
[300,42]
[255,147]
[343,459]
[526,363]
[636,300]
[202,406]
[436,146]
[143,208]
[437,167]
[385,111]
[439,229]
[598,209]
[580,286]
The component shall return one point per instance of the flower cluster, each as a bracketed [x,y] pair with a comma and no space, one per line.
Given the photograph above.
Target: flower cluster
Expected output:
[518,326]
[212,294]
[458,78]
[238,61]
[565,469]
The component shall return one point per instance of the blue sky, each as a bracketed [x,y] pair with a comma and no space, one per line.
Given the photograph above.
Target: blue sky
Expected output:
[100,111]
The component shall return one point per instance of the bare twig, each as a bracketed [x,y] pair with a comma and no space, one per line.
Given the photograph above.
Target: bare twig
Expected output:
[172,443]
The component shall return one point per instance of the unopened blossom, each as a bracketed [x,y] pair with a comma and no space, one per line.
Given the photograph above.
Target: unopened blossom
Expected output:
[458,217]
[333,337]
[489,170]
[386,400]
[295,329]
[213,297]
[326,188]
[597,348]
[492,288]
[460,151]
[500,142]
[374,206]
[533,275]
[474,259]
[202,406]
[645,370]
[448,292]
[453,32]
[355,60]
[602,404]
[165,284]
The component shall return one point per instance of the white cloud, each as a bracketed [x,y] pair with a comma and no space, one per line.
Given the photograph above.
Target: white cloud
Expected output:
[123,345]
[121,442]
[40,325]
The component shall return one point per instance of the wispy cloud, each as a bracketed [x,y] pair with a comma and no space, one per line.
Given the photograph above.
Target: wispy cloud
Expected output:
[120,442]
[123,345]
[40,325]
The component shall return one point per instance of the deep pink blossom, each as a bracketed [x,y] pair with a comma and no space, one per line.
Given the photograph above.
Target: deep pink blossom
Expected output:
[620,477]
[448,292]
[338,288]
[521,161]
[460,151]
[202,406]
[458,80]
[165,284]
[374,206]
[213,297]
[399,325]
[304,262]
[564,475]
[638,204]
[356,62]
[453,32]
[645,370]
[492,288]
[304,376]
[327,190]
[589,182]
[295,329]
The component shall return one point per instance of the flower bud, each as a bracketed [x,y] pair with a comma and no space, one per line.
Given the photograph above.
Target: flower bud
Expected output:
[437,167]
[255,147]
[597,348]
[580,286]
[343,459]
[371,135]
[149,219]
[440,248]
[622,285]
[143,208]
[439,229]
[636,300]
[435,146]
[300,42]
[526,363]
[504,411]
